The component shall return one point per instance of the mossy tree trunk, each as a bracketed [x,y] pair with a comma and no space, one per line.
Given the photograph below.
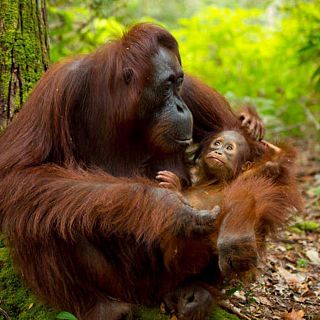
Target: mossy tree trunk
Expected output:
[23,52]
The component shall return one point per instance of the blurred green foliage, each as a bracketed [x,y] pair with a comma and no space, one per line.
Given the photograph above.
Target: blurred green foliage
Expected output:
[262,53]
[307,225]
[309,15]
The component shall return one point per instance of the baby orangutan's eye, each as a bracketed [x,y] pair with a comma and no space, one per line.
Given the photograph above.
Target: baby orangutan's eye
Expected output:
[217,143]
[229,147]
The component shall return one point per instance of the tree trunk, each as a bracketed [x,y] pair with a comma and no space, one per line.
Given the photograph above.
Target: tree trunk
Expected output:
[23,52]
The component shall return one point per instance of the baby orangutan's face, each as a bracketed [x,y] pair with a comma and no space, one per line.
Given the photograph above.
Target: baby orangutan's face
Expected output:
[225,154]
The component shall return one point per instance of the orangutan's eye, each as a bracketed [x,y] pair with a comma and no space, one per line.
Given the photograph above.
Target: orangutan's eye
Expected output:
[217,143]
[179,82]
[167,86]
[229,147]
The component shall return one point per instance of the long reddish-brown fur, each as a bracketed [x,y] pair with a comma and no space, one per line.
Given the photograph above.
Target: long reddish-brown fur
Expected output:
[83,238]
[255,205]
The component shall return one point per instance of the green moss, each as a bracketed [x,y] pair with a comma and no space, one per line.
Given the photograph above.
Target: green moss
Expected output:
[28,49]
[23,52]
[153,314]
[15,299]
[9,16]
[220,314]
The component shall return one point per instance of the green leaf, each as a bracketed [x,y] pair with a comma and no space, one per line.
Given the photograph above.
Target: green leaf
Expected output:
[316,73]
[65,316]
[307,225]
[302,263]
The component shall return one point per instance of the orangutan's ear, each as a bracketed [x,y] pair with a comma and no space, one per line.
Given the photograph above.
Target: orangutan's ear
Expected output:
[127,74]
[246,166]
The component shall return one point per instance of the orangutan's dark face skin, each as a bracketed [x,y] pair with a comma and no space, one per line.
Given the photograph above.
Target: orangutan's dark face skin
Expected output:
[170,128]
[224,154]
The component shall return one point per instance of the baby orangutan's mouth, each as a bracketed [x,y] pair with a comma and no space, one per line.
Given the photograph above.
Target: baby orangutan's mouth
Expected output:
[215,159]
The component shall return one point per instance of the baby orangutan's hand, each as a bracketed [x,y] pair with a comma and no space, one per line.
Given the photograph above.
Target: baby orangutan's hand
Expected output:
[169,180]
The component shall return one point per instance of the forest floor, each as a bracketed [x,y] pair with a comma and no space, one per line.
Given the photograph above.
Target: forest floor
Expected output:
[288,284]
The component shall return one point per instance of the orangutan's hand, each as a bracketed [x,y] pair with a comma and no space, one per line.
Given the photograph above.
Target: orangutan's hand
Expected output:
[251,122]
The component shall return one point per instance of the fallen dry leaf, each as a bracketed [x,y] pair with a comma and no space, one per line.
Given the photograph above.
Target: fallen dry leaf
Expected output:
[240,295]
[293,315]
[313,256]
[294,280]
[265,301]
[162,308]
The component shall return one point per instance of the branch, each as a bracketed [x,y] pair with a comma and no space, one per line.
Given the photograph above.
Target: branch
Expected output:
[4,313]
[311,117]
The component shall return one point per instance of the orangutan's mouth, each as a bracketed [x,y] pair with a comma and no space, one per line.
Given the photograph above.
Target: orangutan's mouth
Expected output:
[217,159]
[184,142]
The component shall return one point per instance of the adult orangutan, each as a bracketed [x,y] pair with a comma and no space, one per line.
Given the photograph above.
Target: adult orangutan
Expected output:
[83,228]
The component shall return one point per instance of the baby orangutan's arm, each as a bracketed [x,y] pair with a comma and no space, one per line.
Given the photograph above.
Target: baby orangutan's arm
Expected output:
[277,163]
[169,180]
[271,166]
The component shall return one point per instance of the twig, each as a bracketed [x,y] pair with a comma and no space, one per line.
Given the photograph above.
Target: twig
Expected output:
[4,313]
[311,117]
[229,307]
[289,241]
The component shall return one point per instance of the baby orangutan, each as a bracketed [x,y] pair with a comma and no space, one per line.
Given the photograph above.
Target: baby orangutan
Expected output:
[223,158]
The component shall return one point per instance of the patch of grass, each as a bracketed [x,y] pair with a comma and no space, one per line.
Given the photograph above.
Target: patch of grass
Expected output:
[289,247]
[307,225]
[302,263]
[237,287]
[296,230]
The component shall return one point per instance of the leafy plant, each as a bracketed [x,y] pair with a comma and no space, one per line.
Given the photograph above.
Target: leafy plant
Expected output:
[65,316]
[307,225]
[302,263]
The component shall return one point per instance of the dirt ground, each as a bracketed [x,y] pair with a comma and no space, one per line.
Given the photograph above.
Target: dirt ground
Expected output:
[288,284]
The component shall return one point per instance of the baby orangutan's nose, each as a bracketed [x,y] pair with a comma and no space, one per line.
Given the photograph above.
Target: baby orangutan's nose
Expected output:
[238,255]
